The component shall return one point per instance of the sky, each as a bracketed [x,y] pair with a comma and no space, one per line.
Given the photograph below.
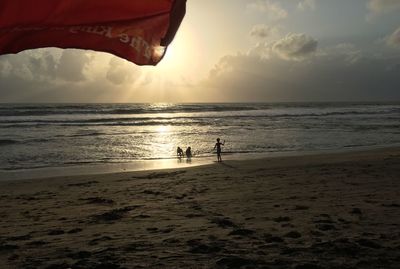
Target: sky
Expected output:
[233,51]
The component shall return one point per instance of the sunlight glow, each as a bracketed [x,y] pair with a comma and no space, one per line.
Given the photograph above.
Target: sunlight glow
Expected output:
[182,57]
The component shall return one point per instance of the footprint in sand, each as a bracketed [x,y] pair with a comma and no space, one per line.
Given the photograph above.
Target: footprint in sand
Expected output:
[56,232]
[356,211]
[96,241]
[37,243]
[224,222]
[98,200]
[235,262]
[325,227]
[293,234]
[191,216]
[242,232]
[79,255]
[368,243]
[269,238]
[282,219]
[83,184]
[74,231]
[152,192]
[5,248]
[114,214]
[196,246]
[308,266]
[301,207]
[20,237]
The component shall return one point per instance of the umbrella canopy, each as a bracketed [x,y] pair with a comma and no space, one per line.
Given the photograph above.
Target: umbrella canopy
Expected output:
[137,30]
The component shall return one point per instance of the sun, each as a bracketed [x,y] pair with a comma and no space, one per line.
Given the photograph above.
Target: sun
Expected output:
[182,55]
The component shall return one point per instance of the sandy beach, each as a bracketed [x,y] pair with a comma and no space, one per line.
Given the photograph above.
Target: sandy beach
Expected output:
[337,210]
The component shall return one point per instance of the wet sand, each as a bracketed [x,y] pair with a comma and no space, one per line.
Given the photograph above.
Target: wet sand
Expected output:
[320,211]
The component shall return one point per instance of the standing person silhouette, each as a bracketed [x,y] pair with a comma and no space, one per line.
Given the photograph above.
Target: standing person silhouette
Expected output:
[218,147]
[189,153]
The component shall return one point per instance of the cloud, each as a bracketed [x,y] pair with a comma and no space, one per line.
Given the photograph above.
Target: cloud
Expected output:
[394,39]
[292,47]
[273,10]
[28,65]
[340,73]
[55,75]
[295,46]
[347,51]
[306,5]
[73,65]
[120,71]
[263,31]
[383,6]
[38,65]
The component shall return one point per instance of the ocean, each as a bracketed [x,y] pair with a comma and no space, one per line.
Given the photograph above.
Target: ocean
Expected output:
[65,135]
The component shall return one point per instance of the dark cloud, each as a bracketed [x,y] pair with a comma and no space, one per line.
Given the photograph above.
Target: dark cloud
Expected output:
[340,74]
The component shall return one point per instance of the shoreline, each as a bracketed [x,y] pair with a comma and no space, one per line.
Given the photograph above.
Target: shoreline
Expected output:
[337,210]
[171,163]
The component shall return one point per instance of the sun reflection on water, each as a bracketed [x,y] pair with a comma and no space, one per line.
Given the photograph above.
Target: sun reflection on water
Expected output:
[160,106]
[163,129]
[163,142]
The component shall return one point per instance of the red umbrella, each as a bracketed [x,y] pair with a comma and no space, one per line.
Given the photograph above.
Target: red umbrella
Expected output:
[137,30]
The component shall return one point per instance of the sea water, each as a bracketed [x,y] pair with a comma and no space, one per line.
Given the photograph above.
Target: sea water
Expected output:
[59,135]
